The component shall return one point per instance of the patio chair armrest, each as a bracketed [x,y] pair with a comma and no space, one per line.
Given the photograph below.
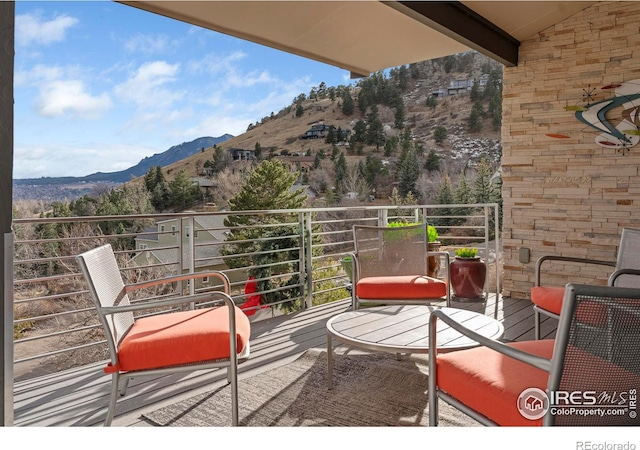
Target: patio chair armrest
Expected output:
[569,259]
[185,277]
[153,304]
[527,358]
[615,275]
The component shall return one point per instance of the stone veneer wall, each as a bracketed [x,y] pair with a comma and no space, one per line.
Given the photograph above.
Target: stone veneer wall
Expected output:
[567,197]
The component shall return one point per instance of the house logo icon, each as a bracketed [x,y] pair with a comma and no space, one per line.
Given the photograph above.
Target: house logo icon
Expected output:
[533,403]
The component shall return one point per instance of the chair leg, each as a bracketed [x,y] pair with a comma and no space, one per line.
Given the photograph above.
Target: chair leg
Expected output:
[233,372]
[115,381]
[433,398]
[125,385]
[536,324]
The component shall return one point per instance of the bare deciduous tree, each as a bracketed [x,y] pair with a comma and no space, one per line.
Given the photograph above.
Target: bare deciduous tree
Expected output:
[228,184]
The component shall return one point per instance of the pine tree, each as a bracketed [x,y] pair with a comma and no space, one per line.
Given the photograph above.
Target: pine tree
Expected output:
[475,93]
[408,173]
[432,163]
[359,131]
[475,117]
[493,84]
[340,170]
[347,104]
[220,159]
[331,137]
[399,115]
[391,146]
[183,192]
[445,197]
[484,190]
[440,134]
[268,188]
[463,195]
[299,110]
[495,111]
[375,129]
[257,150]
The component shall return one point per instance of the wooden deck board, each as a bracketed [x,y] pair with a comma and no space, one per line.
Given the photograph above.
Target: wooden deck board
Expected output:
[78,397]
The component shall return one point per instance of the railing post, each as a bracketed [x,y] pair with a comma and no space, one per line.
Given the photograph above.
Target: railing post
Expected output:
[497,241]
[6,375]
[383,217]
[307,257]
[486,247]
[7,49]
[178,237]
[192,253]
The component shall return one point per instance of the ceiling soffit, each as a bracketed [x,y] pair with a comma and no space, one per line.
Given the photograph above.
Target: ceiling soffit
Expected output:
[367,36]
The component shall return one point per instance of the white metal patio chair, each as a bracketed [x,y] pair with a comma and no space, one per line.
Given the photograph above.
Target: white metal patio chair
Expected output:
[390,265]
[162,343]
[547,299]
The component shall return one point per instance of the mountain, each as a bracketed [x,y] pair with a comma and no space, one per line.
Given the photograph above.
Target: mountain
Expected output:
[174,154]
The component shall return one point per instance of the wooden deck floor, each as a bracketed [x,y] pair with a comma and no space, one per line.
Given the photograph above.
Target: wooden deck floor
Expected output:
[79,397]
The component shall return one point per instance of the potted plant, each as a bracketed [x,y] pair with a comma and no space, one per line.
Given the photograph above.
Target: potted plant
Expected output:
[468,275]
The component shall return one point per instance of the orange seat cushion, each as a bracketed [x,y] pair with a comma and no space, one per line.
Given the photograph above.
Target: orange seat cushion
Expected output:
[490,382]
[181,338]
[591,313]
[548,298]
[408,287]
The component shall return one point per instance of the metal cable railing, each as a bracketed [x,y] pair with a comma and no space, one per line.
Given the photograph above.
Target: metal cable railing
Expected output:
[293,256]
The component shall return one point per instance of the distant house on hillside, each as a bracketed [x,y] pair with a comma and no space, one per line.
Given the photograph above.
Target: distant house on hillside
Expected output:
[460,85]
[240,154]
[204,183]
[316,131]
[158,245]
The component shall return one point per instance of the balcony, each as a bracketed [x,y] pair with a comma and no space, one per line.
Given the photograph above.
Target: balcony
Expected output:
[58,344]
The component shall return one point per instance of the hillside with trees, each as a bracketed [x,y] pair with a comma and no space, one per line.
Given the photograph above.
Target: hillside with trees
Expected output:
[388,136]
[388,130]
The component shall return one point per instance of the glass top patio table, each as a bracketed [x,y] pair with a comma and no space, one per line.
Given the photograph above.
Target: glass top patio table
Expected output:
[404,329]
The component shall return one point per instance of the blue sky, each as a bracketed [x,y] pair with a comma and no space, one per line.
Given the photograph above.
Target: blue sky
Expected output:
[100,85]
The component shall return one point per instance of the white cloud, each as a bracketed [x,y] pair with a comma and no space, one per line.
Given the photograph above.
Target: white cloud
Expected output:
[146,87]
[38,74]
[158,121]
[149,44]
[32,29]
[69,97]
[251,79]
[213,64]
